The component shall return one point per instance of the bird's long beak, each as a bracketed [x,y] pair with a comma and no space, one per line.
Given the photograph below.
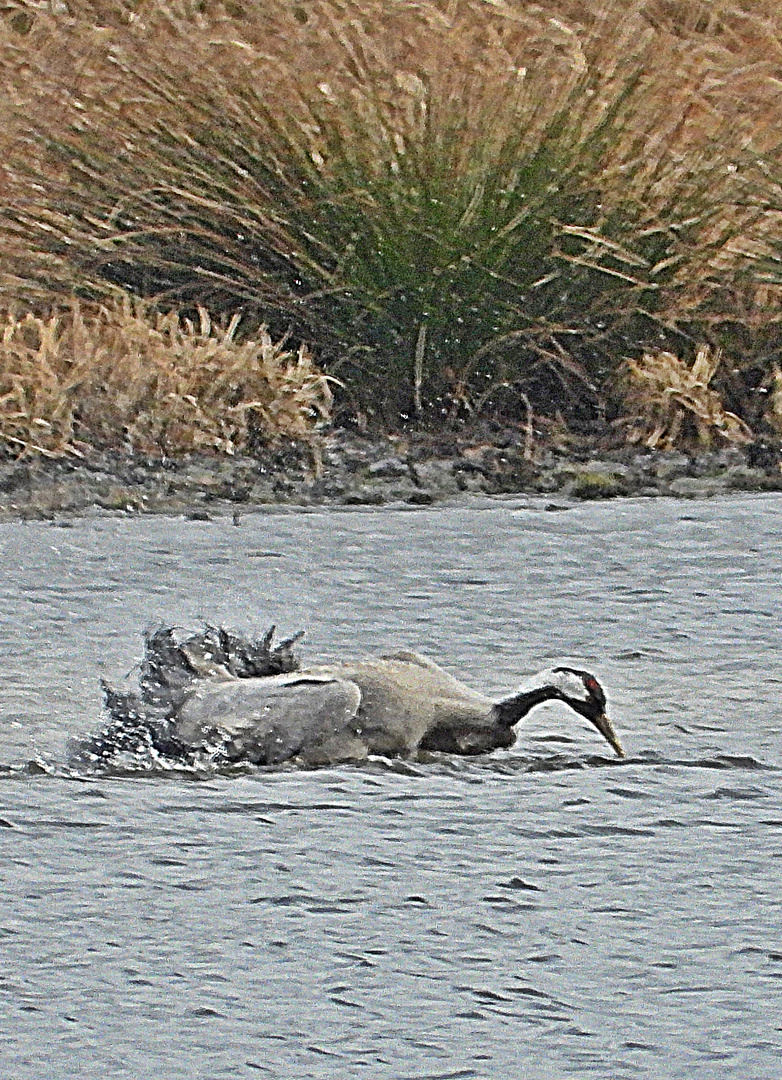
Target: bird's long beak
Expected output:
[604,726]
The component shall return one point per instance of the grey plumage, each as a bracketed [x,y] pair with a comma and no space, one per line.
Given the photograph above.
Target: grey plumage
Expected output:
[391,705]
[248,701]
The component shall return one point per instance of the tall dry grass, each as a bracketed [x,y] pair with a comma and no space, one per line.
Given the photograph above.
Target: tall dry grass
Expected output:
[671,403]
[121,374]
[453,200]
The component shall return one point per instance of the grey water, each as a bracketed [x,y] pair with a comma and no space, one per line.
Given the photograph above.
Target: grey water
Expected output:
[544,912]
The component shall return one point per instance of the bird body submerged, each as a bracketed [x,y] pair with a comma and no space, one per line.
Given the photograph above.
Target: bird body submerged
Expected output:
[250,702]
[391,705]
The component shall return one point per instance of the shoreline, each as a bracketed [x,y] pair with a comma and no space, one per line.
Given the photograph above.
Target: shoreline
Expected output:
[356,471]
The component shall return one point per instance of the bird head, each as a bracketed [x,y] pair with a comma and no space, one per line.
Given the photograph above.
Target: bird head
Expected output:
[584,694]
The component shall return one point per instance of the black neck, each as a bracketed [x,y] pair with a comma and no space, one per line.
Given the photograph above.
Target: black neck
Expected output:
[513,709]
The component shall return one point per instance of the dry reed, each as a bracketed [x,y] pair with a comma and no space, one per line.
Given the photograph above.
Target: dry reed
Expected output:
[671,404]
[774,415]
[446,197]
[121,374]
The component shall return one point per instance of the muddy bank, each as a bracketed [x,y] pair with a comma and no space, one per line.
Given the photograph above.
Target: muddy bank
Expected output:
[359,471]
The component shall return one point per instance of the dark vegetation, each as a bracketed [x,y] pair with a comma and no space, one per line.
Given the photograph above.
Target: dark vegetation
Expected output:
[565,215]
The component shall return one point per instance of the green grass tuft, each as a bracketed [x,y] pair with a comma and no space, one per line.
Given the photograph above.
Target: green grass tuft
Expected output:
[465,207]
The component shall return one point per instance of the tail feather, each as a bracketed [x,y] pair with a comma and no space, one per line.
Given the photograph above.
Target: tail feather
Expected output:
[172,666]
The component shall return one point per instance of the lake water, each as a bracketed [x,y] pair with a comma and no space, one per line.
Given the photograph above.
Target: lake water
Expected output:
[545,912]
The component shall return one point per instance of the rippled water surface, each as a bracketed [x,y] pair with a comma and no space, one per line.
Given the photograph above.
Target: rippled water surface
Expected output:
[541,913]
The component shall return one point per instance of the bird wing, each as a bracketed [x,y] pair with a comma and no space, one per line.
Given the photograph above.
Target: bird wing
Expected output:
[272,719]
[391,705]
[405,697]
[435,681]
[407,656]
[460,720]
